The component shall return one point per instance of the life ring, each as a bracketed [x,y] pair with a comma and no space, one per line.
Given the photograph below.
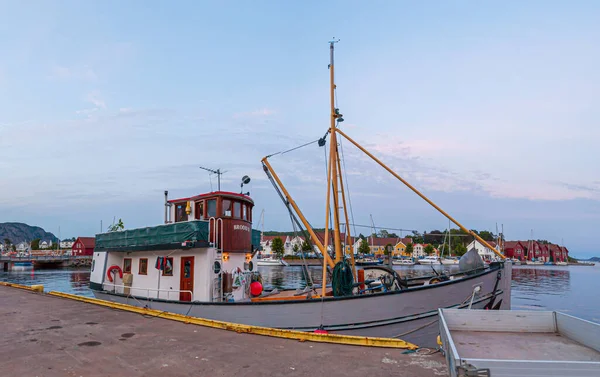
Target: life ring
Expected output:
[112,268]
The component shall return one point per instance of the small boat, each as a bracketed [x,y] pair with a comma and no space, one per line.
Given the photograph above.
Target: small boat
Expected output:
[518,343]
[368,262]
[270,261]
[561,263]
[516,262]
[429,260]
[548,264]
[450,261]
[403,262]
[535,263]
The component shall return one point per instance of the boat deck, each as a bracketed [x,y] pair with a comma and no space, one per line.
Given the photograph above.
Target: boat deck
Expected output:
[521,346]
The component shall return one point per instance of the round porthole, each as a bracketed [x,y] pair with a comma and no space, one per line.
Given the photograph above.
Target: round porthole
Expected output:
[250,265]
[217,267]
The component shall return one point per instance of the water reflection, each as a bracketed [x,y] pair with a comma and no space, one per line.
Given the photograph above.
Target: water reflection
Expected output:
[74,281]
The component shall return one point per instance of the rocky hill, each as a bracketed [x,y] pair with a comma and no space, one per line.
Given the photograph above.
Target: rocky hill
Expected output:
[19,232]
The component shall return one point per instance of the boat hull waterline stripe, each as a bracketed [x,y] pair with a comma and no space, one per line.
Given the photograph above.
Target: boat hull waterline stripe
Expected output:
[257,330]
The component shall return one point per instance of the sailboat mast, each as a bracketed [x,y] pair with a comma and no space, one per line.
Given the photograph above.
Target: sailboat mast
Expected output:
[333,157]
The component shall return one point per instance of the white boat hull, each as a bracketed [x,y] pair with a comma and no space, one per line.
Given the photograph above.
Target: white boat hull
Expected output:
[272,262]
[403,263]
[411,313]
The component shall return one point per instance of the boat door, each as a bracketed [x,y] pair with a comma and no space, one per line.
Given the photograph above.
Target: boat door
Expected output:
[187,278]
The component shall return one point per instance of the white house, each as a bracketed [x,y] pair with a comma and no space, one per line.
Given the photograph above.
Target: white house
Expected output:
[418,250]
[23,246]
[66,244]
[484,252]
[44,245]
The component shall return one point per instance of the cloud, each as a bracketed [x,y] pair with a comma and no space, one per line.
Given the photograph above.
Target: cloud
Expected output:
[95,98]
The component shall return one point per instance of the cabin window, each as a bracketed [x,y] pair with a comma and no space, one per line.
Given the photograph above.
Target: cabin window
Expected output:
[168,269]
[180,214]
[244,212]
[211,208]
[226,207]
[143,268]
[237,210]
[93,264]
[127,265]
[199,211]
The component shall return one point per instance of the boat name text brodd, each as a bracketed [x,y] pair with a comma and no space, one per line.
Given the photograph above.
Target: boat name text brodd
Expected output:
[241,227]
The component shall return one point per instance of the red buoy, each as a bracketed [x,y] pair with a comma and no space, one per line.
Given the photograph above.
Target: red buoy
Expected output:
[256,288]
[321,331]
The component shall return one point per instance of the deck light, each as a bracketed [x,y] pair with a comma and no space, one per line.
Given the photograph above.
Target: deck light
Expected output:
[245,181]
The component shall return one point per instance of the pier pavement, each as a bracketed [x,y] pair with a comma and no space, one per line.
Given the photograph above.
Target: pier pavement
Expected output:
[47,336]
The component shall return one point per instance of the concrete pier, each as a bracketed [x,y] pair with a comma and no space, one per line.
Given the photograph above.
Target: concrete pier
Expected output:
[48,336]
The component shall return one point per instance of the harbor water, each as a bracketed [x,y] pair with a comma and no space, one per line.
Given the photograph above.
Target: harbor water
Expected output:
[568,289]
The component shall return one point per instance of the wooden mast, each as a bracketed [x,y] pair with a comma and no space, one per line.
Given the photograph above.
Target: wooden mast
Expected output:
[333,168]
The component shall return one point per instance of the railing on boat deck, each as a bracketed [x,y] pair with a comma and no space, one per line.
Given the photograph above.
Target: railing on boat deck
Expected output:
[216,231]
[148,290]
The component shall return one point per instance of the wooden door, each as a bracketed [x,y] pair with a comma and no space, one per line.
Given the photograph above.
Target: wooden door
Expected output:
[187,278]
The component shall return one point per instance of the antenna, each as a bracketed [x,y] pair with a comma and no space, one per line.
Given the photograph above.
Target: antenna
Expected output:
[218,172]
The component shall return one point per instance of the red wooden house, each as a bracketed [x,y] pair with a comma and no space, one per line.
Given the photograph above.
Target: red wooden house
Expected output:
[564,254]
[84,246]
[514,249]
[545,249]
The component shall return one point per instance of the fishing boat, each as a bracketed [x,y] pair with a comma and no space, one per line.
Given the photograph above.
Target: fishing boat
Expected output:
[429,260]
[561,263]
[270,261]
[403,262]
[516,262]
[202,263]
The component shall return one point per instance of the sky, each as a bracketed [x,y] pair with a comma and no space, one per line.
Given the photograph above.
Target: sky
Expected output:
[491,109]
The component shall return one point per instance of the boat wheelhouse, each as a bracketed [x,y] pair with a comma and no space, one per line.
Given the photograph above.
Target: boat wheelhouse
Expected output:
[182,260]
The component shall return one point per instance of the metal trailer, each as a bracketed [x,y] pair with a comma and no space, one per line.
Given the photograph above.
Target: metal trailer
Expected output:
[518,343]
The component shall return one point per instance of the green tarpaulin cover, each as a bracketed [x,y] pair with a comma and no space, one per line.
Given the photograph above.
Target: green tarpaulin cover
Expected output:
[168,236]
[256,239]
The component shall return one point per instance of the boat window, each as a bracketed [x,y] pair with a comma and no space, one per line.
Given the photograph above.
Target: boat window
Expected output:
[226,207]
[143,268]
[199,210]
[237,210]
[211,208]
[180,214]
[244,212]
[168,269]
[127,265]
[93,264]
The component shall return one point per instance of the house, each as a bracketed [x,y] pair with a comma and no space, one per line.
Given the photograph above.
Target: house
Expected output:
[564,254]
[377,245]
[66,244]
[484,252]
[83,246]
[44,245]
[514,249]
[533,249]
[418,251]
[22,246]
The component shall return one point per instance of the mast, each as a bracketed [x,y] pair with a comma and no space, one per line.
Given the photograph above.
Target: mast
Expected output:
[333,157]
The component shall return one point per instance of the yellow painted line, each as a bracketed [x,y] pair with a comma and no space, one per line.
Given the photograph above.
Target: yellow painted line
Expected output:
[33,288]
[257,330]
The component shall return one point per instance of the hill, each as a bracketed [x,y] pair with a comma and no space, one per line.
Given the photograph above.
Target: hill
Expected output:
[594,259]
[19,232]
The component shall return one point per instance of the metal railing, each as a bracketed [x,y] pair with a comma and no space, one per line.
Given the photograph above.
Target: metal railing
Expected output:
[148,290]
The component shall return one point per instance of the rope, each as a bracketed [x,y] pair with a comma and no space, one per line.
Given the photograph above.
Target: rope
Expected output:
[417,329]
[293,149]
[347,186]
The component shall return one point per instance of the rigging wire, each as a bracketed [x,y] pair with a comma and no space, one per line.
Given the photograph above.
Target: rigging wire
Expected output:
[293,149]
[347,187]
